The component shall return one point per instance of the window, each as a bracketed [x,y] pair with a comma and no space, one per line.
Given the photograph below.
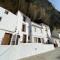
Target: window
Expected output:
[15,39]
[35,39]
[39,40]
[41,30]
[42,40]
[24,28]
[24,38]
[24,18]
[0,18]
[18,36]
[6,12]
[29,41]
[28,37]
[35,29]
[46,29]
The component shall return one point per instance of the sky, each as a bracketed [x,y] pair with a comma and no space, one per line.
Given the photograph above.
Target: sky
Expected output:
[56,4]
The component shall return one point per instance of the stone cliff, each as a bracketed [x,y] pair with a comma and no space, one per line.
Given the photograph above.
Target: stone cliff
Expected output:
[38,10]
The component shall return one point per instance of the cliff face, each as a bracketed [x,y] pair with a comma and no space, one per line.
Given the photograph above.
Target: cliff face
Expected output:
[11,5]
[38,10]
[41,11]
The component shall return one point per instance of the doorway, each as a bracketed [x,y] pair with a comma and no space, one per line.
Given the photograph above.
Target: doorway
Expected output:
[39,40]
[6,39]
[24,38]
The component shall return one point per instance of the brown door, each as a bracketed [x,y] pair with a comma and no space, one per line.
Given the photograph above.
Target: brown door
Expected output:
[6,39]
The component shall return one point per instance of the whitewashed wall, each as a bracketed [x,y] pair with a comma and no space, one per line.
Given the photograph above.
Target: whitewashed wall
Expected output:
[11,22]
[8,21]
[19,26]
[46,32]
[23,50]
[42,31]
[1,35]
[36,31]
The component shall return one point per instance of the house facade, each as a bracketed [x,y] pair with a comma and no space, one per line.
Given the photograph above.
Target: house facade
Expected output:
[8,22]
[40,33]
[14,29]
[56,36]
[46,33]
[23,27]
[36,33]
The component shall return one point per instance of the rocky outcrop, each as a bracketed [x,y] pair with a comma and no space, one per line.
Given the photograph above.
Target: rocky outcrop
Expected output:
[11,5]
[38,10]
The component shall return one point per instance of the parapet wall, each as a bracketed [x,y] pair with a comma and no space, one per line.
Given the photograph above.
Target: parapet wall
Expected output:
[23,50]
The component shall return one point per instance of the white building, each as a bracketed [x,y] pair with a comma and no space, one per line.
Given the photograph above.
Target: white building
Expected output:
[16,29]
[56,36]
[40,33]
[23,27]
[46,33]
[8,22]
[36,33]
[13,28]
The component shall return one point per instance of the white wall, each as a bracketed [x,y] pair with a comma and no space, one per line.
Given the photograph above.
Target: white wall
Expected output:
[42,31]
[1,35]
[8,21]
[23,50]
[11,22]
[37,33]
[46,33]
[46,30]
[19,26]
